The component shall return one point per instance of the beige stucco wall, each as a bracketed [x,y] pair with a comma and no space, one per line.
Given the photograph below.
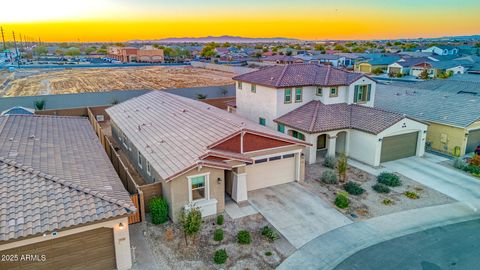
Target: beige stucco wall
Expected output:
[455,136]
[178,190]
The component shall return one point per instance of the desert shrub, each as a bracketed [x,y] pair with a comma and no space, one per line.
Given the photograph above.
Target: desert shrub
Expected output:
[220,220]
[475,170]
[329,177]
[381,188]
[342,166]
[191,222]
[159,210]
[377,71]
[218,235]
[411,195]
[341,201]
[220,256]
[268,253]
[387,202]
[459,163]
[269,234]
[243,237]
[353,188]
[389,179]
[475,160]
[329,162]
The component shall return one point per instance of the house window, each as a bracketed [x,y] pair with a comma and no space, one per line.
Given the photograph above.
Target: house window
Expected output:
[253,88]
[240,85]
[362,93]
[149,170]
[288,95]
[140,159]
[334,92]
[263,160]
[281,128]
[262,121]
[298,95]
[319,91]
[124,140]
[298,135]
[198,187]
[288,156]
[274,158]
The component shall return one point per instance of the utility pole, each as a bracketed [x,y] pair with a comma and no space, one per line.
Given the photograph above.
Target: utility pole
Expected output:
[16,48]
[3,38]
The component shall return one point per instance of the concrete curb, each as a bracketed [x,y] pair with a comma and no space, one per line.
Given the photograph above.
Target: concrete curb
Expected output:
[331,248]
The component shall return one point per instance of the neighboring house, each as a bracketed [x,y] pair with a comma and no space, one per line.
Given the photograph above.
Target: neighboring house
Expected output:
[454,127]
[442,50]
[327,59]
[18,110]
[370,65]
[146,54]
[403,66]
[60,196]
[279,59]
[435,68]
[201,153]
[330,109]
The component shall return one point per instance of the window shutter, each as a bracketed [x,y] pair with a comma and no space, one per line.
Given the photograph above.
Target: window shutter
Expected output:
[355,94]
[369,90]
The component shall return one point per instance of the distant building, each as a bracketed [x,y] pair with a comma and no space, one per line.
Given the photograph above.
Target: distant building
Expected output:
[146,54]
[442,50]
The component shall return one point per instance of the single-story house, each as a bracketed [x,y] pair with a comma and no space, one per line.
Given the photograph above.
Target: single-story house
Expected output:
[454,127]
[403,66]
[370,65]
[435,68]
[279,59]
[201,153]
[62,205]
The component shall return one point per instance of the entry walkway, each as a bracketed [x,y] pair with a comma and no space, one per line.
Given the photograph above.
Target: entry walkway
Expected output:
[328,250]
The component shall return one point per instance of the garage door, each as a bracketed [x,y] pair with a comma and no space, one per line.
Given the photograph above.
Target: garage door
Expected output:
[88,250]
[273,171]
[399,146]
[473,140]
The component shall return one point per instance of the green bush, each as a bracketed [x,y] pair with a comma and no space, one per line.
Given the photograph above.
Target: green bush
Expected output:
[341,201]
[353,188]
[381,188]
[475,170]
[269,234]
[220,220]
[268,253]
[329,177]
[220,256]
[459,163]
[243,237]
[387,201]
[389,179]
[330,162]
[159,210]
[218,235]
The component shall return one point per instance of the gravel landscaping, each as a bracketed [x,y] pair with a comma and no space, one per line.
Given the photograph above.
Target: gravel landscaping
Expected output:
[371,203]
[259,254]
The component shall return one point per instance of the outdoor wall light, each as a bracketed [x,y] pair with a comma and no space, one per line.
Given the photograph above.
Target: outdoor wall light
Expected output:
[121,226]
[380,139]
[219,180]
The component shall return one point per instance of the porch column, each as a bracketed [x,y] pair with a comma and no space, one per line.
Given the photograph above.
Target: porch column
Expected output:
[121,237]
[331,145]
[347,143]
[239,188]
[311,151]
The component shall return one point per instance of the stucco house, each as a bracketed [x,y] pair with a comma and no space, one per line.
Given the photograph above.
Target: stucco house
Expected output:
[61,201]
[331,109]
[201,153]
[435,68]
[403,66]
[454,127]
[442,50]
[368,66]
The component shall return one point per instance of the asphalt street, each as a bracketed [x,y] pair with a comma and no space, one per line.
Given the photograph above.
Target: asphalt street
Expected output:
[454,246]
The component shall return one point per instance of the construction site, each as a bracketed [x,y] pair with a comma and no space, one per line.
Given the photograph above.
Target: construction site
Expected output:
[31,82]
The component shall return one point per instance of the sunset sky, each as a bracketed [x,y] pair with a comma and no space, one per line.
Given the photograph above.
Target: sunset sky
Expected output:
[121,20]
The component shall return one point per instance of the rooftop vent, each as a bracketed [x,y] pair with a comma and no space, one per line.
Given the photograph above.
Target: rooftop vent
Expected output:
[184,110]
[31,136]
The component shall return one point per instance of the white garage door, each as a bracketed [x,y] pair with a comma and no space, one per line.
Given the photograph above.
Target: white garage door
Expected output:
[269,172]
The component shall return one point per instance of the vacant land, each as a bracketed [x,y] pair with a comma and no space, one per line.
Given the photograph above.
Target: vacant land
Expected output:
[43,82]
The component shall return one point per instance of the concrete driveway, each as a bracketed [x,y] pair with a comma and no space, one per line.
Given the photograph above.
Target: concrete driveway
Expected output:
[297,214]
[449,181]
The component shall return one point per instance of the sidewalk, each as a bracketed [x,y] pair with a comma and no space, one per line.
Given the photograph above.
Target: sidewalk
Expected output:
[331,248]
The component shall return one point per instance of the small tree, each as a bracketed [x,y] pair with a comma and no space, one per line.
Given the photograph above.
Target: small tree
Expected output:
[191,221]
[342,166]
[424,74]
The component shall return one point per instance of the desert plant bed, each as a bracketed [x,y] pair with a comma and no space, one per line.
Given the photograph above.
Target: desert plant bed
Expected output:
[371,203]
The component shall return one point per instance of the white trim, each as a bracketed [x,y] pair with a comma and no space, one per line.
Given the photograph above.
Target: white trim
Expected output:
[207,186]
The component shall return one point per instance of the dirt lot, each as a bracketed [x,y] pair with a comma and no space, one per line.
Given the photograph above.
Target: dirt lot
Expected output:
[370,203]
[41,82]
[175,255]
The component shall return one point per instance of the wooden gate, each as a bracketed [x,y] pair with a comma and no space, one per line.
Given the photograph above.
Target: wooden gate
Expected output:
[135,217]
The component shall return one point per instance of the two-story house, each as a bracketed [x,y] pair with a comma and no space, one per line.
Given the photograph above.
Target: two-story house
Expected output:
[329,108]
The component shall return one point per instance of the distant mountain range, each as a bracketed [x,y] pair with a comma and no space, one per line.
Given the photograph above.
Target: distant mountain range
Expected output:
[219,39]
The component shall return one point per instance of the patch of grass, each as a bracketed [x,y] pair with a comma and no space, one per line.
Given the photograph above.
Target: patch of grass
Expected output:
[220,220]
[411,195]
[269,234]
[387,202]
[381,188]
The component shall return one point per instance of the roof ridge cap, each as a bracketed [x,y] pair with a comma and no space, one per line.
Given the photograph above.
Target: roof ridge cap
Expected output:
[95,193]
[281,75]
[314,118]
[327,75]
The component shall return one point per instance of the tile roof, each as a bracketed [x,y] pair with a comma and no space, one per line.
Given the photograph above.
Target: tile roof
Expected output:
[447,107]
[174,132]
[54,174]
[315,117]
[293,75]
